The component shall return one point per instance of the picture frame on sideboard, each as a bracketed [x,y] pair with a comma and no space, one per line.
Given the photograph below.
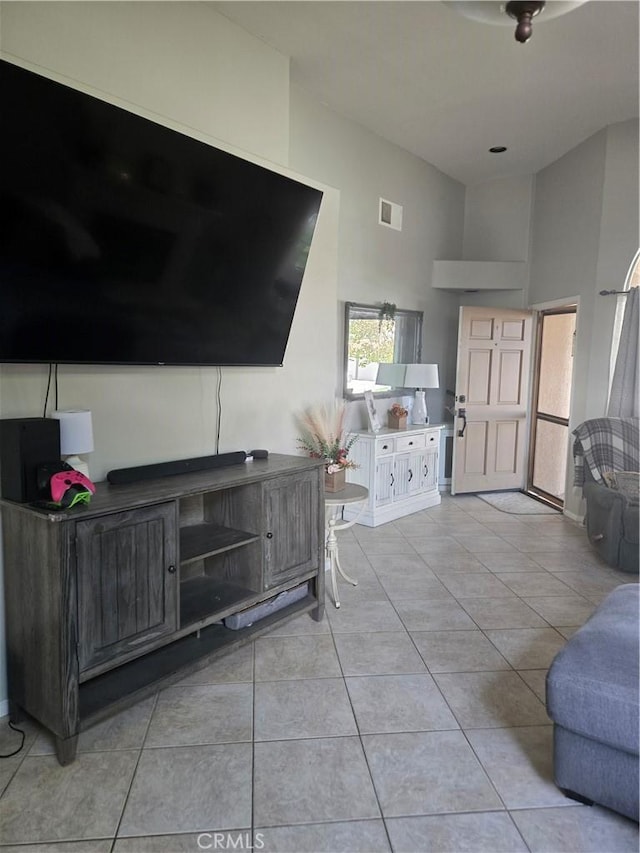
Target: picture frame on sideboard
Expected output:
[374,422]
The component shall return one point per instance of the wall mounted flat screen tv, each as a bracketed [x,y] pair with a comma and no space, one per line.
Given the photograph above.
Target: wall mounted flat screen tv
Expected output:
[125,242]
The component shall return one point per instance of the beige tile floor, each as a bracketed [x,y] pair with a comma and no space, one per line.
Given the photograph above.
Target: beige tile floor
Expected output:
[412,719]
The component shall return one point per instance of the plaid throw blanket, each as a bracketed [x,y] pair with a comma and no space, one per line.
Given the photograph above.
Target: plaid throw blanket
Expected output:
[606,444]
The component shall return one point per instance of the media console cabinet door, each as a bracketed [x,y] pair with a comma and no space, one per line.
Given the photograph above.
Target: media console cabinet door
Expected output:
[292,536]
[127,583]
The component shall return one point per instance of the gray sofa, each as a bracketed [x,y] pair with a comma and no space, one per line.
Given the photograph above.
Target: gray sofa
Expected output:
[592,698]
[606,453]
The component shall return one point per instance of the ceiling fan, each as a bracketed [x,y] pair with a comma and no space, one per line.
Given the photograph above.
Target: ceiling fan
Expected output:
[522,11]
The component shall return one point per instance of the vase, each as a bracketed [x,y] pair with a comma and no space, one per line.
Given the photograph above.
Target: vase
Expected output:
[335,482]
[394,422]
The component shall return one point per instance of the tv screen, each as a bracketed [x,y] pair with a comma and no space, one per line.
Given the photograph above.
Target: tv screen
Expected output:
[122,241]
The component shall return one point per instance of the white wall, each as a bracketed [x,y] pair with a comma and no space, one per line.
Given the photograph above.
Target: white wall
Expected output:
[186,66]
[619,240]
[576,223]
[497,227]
[179,60]
[191,69]
[585,234]
[375,263]
[566,222]
[497,220]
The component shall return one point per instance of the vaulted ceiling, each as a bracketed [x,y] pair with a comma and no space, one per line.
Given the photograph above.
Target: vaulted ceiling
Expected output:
[447,88]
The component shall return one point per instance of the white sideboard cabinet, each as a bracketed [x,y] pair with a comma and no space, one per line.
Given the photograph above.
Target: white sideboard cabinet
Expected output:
[400,469]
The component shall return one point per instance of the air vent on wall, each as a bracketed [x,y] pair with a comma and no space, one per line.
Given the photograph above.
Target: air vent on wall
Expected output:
[390,214]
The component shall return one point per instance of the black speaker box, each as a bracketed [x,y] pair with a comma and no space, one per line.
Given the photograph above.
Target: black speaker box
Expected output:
[26,443]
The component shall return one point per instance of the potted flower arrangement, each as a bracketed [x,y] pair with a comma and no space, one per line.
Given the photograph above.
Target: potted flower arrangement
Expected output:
[323,436]
[397,417]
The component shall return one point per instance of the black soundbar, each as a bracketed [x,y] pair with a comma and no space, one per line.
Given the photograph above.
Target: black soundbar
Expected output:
[122,476]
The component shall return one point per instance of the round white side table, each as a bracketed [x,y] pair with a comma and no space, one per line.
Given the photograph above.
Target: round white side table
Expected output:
[351,494]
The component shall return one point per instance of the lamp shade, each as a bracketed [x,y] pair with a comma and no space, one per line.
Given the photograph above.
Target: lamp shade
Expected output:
[391,374]
[421,376]
[76,431]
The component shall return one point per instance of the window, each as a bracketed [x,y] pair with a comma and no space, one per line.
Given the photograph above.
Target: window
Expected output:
[374,334]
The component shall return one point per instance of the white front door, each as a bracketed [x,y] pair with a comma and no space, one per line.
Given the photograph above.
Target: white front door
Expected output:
[492,386]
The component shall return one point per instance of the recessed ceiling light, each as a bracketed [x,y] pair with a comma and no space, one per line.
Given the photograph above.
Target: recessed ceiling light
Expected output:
[498,149]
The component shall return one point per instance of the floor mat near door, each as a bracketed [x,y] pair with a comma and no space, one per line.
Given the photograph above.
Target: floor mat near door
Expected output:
[516,503]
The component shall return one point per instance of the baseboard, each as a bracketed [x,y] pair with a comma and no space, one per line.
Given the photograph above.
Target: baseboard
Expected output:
[579,519]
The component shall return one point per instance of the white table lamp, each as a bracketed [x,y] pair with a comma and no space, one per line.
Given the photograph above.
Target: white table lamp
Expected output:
[420,376]
[76,437]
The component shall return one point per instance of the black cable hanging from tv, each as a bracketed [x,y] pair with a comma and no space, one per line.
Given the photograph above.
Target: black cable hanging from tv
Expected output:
[219,409]
[46,396]
[53,372]
[15,751]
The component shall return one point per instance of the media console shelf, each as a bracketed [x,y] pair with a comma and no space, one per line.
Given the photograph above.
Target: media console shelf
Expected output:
[105,603]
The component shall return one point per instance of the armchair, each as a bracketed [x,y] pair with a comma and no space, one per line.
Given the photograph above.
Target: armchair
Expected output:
[607,458]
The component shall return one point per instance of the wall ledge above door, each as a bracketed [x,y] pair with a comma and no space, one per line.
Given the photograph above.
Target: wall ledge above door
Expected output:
[479,275]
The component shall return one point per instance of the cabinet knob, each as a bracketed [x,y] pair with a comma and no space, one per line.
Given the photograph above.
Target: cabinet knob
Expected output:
[269,535]
[410,443]
[410,475]
[385,446]
[172,570]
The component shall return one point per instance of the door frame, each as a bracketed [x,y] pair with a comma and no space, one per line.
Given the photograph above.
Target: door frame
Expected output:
[540,308]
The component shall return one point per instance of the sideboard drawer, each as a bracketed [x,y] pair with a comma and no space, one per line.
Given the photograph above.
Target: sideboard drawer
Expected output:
[384,446]
[410,442]
[433,438]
